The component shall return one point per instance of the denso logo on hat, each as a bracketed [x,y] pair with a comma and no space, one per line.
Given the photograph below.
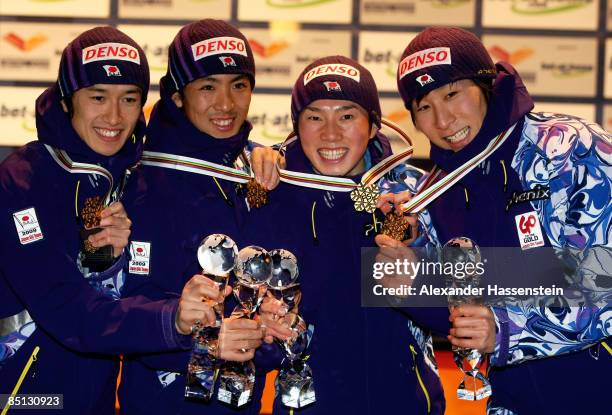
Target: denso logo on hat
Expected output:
[423,59]
[218,45]
[332,69]
[111,51]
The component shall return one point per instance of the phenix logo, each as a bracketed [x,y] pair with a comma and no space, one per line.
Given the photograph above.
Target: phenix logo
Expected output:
[25,45]
[332,86]
[227,61]
[514,57]
[267,51]
[112,70]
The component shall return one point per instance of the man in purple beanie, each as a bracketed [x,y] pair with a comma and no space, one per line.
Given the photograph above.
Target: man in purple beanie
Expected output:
[533,186]
[64,231]
[197,145]
[363,360]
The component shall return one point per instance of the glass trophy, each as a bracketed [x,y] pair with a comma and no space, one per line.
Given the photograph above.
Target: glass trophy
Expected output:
[253,270]
[217,256]
[462,250]
[295,382]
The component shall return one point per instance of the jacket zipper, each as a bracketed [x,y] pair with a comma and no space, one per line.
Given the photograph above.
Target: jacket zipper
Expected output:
[24,372]
[416,369]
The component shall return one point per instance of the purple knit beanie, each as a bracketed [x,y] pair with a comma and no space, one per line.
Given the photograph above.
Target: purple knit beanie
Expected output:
[438,56]
[207,47]
[102,55]
[335,77]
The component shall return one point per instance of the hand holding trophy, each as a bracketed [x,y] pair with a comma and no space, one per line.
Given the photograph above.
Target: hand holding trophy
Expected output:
[253,270]
[462,250]
[295,381]
[217,256]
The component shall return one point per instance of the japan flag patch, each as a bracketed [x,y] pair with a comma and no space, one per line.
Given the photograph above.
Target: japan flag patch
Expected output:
[140,253]
[332,86]
[28,228]
[112,70]
[227,61]
[424,79]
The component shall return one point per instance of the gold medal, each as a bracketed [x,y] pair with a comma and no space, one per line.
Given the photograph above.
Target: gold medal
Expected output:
[365,197]
[91,215]
[257,195]
[395,226]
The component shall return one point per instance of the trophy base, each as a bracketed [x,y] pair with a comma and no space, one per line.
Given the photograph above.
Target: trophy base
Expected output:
[200,385]
[237,383]
[477,395]
[296,388]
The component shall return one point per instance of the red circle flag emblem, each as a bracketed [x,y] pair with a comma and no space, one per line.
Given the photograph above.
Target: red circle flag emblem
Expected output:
[25,218]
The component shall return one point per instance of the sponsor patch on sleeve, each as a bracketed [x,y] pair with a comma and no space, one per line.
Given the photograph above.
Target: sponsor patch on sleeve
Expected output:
[140,253]
[529,230]
[28,228]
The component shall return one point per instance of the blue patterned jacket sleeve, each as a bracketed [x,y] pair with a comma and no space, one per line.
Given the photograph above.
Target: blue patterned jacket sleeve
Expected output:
[574,158]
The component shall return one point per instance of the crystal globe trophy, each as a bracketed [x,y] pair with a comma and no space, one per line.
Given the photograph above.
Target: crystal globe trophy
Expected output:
[295,381]
[217,255]
[253,270]
[462,250]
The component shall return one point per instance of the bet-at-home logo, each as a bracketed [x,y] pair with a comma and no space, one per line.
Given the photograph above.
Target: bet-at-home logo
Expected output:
[533,7]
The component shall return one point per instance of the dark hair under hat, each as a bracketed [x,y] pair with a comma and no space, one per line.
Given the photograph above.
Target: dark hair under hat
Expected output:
[335,77]
[207,47]
[438,56]
[102,55]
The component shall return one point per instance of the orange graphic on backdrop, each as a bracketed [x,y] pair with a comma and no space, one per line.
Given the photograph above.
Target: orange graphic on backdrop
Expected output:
[515,57]
[269,50]
[25,45]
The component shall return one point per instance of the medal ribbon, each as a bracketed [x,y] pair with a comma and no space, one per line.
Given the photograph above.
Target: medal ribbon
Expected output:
[428,192]
[193,165]
[62,158]
[342,184]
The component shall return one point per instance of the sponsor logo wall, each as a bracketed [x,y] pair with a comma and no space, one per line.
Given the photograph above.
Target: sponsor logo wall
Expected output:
[32,51]
[380,53]
[56,8]
[281,53]
[17,115]
[154,40]
[418,12]
[556,66]
[313,11]
[541,14]
[286,35]
[175,9]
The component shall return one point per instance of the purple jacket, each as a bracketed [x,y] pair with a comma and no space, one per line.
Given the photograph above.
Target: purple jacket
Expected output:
[364,360]
[80,327]
[173,211]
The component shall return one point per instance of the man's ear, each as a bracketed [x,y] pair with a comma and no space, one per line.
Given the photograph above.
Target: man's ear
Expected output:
[177,99]
[374,130]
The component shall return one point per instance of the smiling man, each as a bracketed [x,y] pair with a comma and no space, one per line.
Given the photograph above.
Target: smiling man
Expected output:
[90,127]
[200,121]
[363,360]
